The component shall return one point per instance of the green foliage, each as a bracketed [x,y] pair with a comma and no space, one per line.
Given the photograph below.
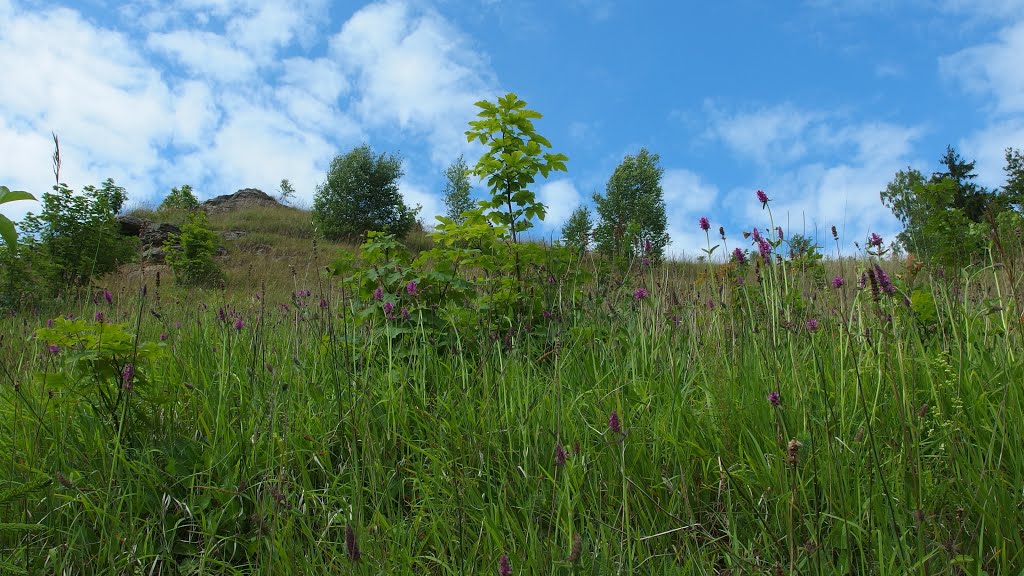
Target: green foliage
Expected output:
[76,236]
[10,496]
[286,193]
[514,157]
[632,211]
[7,231]
[578,229]
[361,195]
[456,189]
[190,253]
[180,199]
[1013,190]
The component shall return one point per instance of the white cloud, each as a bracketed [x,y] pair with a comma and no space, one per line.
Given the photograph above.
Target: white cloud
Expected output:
[769,135]
[413,70]
[988,146]
[431,205]
[992,69]
[560,197]
[687,198]
[206,54]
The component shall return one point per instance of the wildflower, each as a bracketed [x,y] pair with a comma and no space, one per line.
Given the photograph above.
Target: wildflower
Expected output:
[411,287]
[405,313]
[740,280]
[775,398]
[613,422]
[705,224]
[645,262]
[711,303]
[351,545]
[99,317]
[811,325]
[323,304]
[163,336]
[560,455]
[721,232]
[504,567]
[835,234]
[577,548]
[548,314]
[648,247]
[862,281]
[764,248]
[389,308]
[127,375]
[107,296]
[762,198]
[874,240]
[239,323]
[739,256]
[756,234]
[838,282]
[884,283]
[640,293]
[378,294]
[792,449]
[49,322]
[54,349]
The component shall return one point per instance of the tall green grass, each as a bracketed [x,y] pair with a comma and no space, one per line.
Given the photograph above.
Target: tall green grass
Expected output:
[266,449]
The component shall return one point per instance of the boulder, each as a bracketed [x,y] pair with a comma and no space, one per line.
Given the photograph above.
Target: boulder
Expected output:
[156,234]
[132,225]
[244,198]
[154,254]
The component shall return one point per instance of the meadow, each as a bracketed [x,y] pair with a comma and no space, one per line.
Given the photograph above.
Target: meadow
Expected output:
[852,415]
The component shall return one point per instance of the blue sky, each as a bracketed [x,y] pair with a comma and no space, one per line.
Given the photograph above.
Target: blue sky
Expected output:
[818,103]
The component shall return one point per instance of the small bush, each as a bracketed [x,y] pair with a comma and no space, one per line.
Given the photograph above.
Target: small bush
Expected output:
[190,254]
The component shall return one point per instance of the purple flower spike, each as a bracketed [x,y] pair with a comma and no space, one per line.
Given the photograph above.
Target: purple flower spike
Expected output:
[127,375]
[640,294]
[560,455]
[351,546]
[613,422]
[775,398]
[811,325]
[389,308]
[239,324]
[163,336]
[838,282]
[54,349]
[107,296]
[411,287]
[705,224]
[762,198]
[874,240]
[99,317]
[504,566]
[739,256]
[378,294]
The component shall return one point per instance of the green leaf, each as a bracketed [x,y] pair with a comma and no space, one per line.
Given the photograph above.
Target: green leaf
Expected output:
[7,231]
[8,195]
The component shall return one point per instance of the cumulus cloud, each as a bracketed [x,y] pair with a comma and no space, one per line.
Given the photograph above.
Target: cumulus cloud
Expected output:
[687,198]
[992,70]
[560,197]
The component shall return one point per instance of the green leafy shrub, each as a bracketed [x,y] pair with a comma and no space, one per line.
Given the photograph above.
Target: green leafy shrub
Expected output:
[632,211]
[180,199]
[190,253]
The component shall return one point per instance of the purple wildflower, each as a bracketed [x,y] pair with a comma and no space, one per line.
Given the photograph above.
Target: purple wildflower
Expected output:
[711,303]
[54,349]
[613,422]
[811,325]
[504,567]
[838,282]
[107,296]
[163,336]
[762,198]
[835,233]
[411,287]
[49,322]
[378,294]
[775,398]
[883,280]
[99,317]
[239,324]
[351,546]
[875,240]
[389,308]
[721,232]
[640,293]
[127,375]
[405,313]
[779,230]
[560,455]
[739,256]
[756,234]
[764,248]
[705,224]
[648,247]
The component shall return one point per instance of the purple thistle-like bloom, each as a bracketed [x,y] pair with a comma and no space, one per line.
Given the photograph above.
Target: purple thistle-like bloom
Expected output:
[875,240]
[99,317]
[49,322]
[560,455]
[323,304]
[811,325]
[884,282]
[838,282]
[775,398]
[405,313]
[711,303]
[764,248]
[108,297]
[640,293]
[127,375]
[378,294]
[779,230]
[389,308]
[862,281]
[613,422]
[239,324]
[756,234]
[705,224]
[54,349]
[222,315]
[411,287]
[504,566]
[351,546]
[762,197]
[739,256]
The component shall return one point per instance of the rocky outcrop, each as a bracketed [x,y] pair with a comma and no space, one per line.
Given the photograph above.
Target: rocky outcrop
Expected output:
[153,236]
[245,198]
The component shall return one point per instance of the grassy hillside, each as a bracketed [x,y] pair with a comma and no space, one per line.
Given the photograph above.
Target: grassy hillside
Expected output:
[673,419]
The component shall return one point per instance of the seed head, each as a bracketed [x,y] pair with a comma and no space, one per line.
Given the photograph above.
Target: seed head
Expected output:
[835,234]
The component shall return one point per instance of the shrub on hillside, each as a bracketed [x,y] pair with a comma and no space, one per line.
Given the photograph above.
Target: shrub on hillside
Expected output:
[190,253]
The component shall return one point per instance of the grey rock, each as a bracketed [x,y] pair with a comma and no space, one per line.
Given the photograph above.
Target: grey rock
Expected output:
[156,234]
[244,198]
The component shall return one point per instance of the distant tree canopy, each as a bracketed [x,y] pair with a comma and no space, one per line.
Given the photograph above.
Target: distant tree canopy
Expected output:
[948,217]
[578,229]
[456,189]
[361,195]
[632,211]
[180,199]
